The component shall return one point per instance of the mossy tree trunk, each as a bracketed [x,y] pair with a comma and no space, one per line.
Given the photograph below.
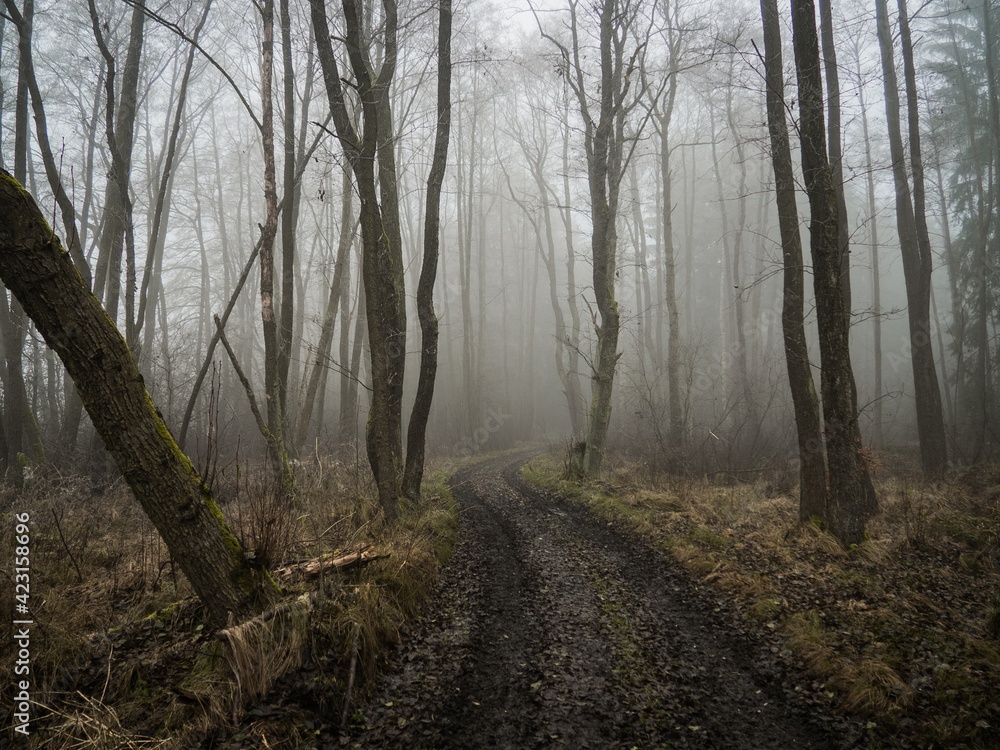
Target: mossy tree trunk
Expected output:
[40,273]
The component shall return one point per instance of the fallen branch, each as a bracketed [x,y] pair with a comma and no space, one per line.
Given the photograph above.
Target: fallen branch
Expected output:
[306,601]
[319,565]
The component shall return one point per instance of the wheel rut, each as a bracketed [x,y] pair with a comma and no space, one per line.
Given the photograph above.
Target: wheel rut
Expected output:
[553,629]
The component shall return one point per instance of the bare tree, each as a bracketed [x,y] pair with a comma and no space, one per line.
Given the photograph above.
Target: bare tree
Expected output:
[417,431]
[382,267]
[605,145]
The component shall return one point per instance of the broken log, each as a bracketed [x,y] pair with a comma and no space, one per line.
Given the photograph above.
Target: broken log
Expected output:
[325,563]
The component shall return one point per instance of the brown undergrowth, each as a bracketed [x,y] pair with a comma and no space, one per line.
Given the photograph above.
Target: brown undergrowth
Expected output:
[121,653]
[902,629]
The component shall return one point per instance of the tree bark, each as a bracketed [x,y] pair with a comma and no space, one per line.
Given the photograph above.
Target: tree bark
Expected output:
[836,149]
[848,500]
[805,402]
[289,219]
[34,265]
[272,393]
[417,431]
[914,246]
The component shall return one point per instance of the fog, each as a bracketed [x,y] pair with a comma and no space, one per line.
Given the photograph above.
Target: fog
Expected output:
[514,293]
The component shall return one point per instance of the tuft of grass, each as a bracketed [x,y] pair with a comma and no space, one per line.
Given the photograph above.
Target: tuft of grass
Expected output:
[85,722]
[873,688]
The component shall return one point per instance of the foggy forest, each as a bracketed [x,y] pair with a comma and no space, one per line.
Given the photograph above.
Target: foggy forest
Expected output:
[327,323]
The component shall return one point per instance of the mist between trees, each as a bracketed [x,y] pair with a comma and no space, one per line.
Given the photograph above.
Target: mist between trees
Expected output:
[608,267]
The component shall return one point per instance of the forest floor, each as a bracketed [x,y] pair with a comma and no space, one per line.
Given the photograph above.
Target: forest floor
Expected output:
[626,613]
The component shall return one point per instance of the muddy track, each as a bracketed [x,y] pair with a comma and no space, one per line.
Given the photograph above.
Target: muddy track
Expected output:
[552,628]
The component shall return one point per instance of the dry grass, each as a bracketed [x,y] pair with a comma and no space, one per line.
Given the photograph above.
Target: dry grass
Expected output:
[86,723]
[902,628]
[120,641]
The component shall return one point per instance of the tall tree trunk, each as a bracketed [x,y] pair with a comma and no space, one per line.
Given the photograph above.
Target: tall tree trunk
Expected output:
[985,373]
[465,198]
[275,416]
[120,125]
[914,248]
[603,142]
[325,342]
[382,258]
[812,466]
[288,221]
[836,151]
[675,416]
[154,253]
[878,438]
[416,435]
[951,260]
[739,298]
[573,342]
[848,501]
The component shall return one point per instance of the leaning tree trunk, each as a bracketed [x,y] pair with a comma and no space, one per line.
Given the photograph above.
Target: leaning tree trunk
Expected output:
[848,500]
[812,466]
[36,268]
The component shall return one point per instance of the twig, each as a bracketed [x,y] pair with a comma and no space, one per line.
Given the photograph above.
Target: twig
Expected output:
[55,518]
[245,381]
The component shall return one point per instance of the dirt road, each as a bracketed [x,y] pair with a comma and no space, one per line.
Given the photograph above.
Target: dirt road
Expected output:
[552,628]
